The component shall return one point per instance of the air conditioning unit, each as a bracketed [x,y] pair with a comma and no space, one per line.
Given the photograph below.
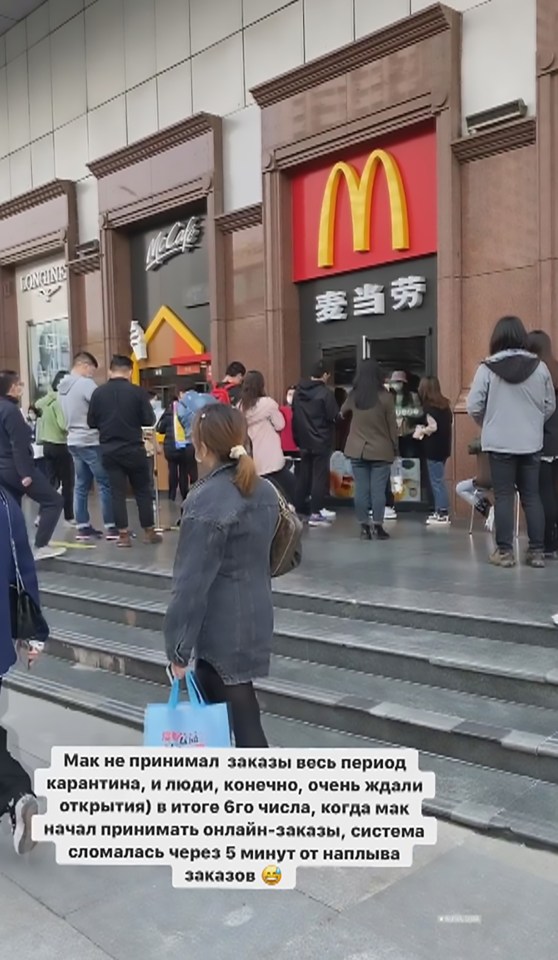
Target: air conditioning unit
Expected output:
[514,110]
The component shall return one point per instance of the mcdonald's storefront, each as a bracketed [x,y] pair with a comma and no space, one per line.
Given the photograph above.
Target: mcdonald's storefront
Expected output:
[364,256]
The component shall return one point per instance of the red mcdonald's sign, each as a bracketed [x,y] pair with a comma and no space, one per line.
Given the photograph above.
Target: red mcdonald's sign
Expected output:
[366,208]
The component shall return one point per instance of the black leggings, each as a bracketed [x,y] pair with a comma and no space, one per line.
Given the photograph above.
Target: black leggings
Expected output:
[244,709]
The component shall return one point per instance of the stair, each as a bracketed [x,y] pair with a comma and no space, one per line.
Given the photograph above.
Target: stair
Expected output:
[481,706]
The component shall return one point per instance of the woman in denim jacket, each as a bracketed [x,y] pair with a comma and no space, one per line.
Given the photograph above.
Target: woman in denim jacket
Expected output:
[221,609]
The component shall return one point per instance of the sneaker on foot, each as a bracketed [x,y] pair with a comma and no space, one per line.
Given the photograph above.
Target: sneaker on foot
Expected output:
[88,533]
[380,533]
[555,619]
[535,558]
[47,553]
[390,514]
[328,515]
[317,520]
[151,536]
[438,519]
[111,533]
[22,810]
[502,558]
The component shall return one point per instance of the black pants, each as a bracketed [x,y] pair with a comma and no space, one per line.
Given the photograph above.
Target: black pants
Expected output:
[244,709]
[14,781]
[40,490]
[60,472]
[549,497]
[285,481]
[183,471]
[390,499]
[313,482]
[511,472]
[130,465]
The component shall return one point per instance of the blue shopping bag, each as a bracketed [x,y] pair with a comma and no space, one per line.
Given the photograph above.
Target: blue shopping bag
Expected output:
[181,724]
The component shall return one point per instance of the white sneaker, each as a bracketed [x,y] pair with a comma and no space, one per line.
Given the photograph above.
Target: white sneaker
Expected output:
[21,813]
[438,520]
[328,515]
[555,619]
[489,522]
[390,514]
[48,553]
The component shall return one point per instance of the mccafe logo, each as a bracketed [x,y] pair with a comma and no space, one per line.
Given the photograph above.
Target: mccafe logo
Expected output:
[180,238]
[361,196]
[46,282]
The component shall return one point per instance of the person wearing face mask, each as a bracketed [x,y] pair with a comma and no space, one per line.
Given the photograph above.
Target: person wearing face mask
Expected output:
[408,412]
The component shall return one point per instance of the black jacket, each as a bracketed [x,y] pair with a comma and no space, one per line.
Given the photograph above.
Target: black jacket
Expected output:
[16,452]
[165,426]
[315,410]
[438,445]
[119,410]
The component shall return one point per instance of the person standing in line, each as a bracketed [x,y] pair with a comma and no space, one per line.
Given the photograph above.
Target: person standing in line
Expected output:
[179,453]
[17,800]
[221,609]
[53,435]
[315,411]
[541,345]
[18,471]
[119,410]
[372,445]
[512,396]
[265,423]
[229,389]
[75,392]
[436,441]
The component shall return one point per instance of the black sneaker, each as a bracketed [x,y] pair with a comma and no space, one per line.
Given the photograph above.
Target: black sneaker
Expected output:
[83,534]
[22,810]
[111,533]
[380,533]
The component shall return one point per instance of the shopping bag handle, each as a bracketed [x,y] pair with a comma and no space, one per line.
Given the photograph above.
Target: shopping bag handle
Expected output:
[194,692]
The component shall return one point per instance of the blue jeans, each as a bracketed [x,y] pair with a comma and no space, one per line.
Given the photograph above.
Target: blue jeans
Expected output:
[89,468]
[371,480]
[436,471]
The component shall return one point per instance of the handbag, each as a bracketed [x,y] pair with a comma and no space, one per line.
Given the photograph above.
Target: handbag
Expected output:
[286,546]
[182,724]
[27,620]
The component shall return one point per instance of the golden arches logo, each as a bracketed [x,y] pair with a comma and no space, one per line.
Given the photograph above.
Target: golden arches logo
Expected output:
[361,195]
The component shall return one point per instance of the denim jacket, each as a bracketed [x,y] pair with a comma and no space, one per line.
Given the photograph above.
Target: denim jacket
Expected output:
[221,609]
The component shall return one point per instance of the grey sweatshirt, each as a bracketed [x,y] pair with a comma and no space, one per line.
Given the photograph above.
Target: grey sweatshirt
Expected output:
[75,394]
[511,397]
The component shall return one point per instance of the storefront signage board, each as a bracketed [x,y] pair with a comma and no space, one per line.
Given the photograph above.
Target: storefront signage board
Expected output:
[368,206]
[181,238]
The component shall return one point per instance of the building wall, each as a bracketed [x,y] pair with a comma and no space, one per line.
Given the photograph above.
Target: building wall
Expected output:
[82,78]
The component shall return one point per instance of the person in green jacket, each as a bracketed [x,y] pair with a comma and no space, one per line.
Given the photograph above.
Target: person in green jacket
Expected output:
[53,435]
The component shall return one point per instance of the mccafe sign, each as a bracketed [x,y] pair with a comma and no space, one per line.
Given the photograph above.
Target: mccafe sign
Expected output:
[46,282]
[183,237]
[365,208]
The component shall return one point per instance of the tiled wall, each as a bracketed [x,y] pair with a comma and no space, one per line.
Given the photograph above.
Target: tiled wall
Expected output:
[81,78]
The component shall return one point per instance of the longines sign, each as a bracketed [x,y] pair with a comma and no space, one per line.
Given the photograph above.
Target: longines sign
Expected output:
[181,238]
[45,282]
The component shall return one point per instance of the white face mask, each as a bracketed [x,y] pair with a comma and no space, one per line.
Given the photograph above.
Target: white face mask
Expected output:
[398,387]
[290,396]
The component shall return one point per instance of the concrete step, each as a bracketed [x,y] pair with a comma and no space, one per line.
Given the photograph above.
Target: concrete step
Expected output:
[493,668]
[504,735]
[430,612]
[502,804]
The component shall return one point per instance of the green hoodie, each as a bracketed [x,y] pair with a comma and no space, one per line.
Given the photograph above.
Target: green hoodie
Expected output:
[51,426]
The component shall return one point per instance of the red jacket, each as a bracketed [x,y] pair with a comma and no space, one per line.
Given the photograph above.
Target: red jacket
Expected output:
[287,440]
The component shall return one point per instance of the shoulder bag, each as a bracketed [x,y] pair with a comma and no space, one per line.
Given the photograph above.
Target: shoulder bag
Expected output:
[286,546]
[27,620]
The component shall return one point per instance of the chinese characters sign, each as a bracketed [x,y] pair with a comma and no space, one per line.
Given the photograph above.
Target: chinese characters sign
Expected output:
[405,293]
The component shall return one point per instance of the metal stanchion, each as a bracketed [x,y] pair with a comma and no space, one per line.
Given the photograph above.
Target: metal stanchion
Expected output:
[150,441]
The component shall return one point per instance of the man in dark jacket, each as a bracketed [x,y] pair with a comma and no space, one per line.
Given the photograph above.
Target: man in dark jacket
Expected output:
[119,410]
[18,472]
[315,411]
[229,390]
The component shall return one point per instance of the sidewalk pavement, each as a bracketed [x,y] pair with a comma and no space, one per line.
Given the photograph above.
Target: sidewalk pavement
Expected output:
[469,897]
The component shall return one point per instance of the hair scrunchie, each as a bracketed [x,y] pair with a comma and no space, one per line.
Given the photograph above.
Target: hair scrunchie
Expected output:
[237,452]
